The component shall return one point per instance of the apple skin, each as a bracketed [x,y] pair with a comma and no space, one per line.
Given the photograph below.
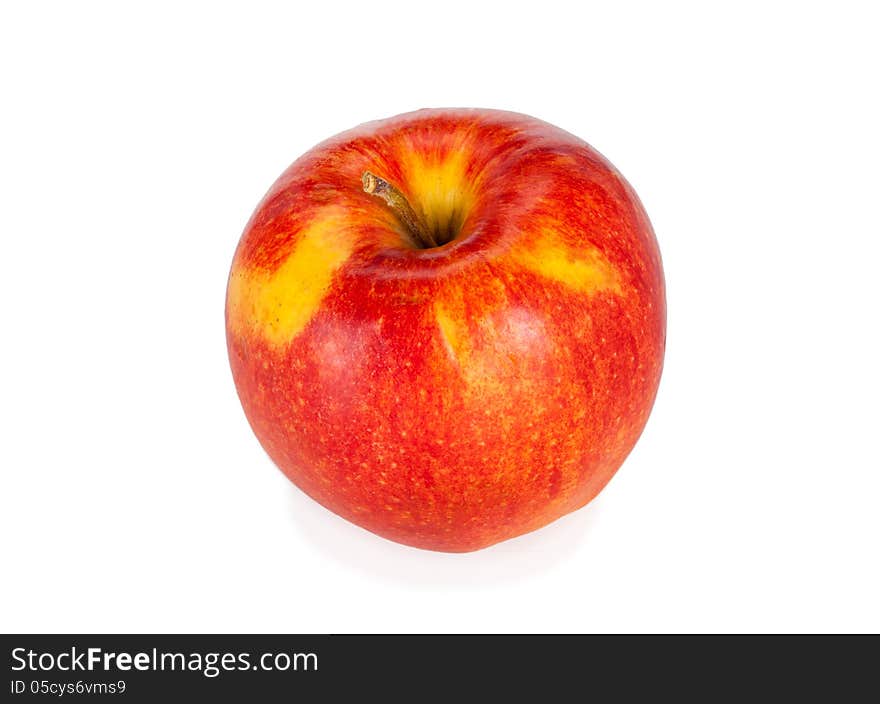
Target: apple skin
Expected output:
[453,397]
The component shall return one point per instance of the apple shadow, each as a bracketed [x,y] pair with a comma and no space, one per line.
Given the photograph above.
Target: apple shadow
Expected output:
[513,560]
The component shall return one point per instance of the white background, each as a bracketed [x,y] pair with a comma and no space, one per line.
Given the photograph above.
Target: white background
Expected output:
[136,141]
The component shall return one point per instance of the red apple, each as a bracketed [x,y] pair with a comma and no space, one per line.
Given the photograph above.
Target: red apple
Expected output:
[448,327]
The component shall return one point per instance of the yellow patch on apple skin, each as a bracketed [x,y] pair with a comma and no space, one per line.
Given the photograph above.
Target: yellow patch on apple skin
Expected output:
[453,338]
[278,305]
[586,270]
[438,184]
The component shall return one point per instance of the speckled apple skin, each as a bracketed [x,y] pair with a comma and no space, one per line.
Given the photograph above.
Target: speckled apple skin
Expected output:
[453,397]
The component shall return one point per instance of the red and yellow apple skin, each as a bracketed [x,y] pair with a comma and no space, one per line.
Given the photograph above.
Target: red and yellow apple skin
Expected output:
[451,397]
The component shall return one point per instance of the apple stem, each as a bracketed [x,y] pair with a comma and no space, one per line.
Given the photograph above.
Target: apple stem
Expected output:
[415,224]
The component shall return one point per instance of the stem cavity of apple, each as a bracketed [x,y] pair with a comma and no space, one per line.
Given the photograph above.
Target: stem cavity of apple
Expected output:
[418,230]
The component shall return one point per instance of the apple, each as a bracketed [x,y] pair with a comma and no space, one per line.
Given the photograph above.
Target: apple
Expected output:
[448,326]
